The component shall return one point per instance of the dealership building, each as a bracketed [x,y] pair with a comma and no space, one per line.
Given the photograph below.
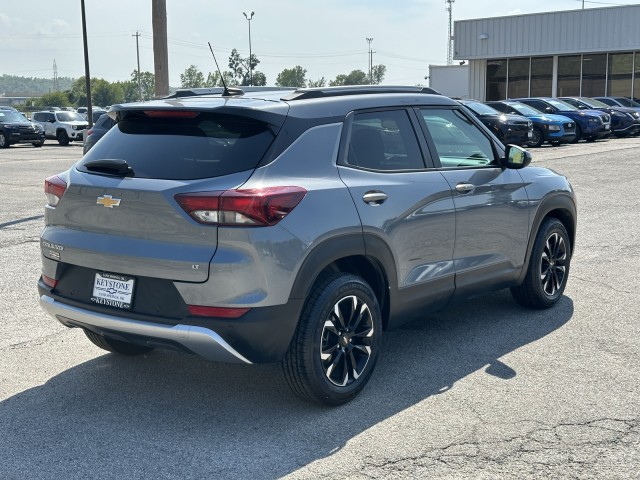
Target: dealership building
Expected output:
[592,52]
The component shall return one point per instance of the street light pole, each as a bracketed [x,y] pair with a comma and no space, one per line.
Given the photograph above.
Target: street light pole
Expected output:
[137,35]
[249,17]
[369,40]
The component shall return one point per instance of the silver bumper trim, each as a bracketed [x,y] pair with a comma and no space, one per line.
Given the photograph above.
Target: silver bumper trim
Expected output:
[200,340]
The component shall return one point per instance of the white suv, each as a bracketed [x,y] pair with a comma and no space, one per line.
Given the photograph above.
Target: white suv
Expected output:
[61,125]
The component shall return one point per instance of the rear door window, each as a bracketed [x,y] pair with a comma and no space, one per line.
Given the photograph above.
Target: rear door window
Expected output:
[384,140]
[204,146]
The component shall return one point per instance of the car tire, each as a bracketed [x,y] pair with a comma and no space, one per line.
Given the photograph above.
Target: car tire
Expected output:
[63,138]
[548,268]
[116,346]
[4,143]
[537,138]
[578,136]
[336,344]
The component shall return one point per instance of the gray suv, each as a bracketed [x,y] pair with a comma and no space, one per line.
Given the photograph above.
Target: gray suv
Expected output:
[295,227]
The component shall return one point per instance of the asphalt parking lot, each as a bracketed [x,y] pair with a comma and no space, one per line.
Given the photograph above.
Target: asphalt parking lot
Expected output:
[485,389]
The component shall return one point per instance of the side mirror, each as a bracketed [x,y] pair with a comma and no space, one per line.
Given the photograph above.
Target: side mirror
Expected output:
[516,157]
[548,110]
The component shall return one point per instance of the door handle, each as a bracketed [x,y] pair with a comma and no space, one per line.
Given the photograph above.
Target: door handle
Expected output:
[374,197]
[465,188]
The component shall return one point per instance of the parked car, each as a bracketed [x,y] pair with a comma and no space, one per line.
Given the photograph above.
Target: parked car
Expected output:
[82,110]
[95,133]
[16,128]
[295,226]
[555,129]
[625,121]
[509,128]
[96,114]
[618,101]
[62,126]
[591,125]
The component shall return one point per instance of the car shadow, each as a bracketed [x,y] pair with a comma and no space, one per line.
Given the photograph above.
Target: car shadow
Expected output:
[172,415]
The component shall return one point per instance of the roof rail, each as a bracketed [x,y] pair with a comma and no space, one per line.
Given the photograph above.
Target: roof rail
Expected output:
[323,92]
[194,92]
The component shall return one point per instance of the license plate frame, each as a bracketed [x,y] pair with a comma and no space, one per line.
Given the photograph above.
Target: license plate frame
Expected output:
[113,290]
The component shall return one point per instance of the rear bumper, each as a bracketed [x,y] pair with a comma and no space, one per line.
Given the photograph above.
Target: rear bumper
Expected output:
[199,340]
[262,335]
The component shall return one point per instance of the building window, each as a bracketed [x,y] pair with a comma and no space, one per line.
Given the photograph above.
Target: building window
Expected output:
[619,76]
[518,85]
[541,76]
[569,76]
[594,74]
[496,80]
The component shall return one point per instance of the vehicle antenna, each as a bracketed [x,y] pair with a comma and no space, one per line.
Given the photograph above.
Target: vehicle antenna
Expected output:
[225,92]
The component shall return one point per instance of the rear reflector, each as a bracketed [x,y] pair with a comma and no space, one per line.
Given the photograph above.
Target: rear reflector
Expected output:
[49,282]
[253,207]
[170,114]
[219,312]
[54,188]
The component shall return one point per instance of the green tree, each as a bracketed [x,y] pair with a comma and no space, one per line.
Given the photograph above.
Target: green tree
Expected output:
[292,77]
[53,99]
[148,84]
[377,73]
[259,79]
[104,93]
[129,91]
[192,78]
[213,79]
[243,70]
[321,82]
[356,77]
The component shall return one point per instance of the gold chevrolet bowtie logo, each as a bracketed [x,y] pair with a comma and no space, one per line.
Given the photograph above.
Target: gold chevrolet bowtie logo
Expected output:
[108,201]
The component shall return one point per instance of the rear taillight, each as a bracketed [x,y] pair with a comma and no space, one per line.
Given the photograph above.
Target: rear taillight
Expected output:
[255,207]
[89,132]
[54,188]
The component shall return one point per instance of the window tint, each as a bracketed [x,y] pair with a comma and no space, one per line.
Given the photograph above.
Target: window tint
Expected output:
[205,146]
[459,142]
[384,141]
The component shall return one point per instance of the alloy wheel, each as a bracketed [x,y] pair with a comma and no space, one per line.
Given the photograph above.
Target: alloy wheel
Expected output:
[346,340]
[554,264]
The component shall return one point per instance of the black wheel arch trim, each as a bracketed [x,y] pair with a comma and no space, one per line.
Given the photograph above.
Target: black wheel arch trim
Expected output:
[367,245]
[558,205]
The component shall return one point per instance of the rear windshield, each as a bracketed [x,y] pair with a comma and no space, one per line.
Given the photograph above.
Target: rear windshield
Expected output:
[207,145]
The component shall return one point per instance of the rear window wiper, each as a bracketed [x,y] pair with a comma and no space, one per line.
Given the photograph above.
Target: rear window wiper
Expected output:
[110,166]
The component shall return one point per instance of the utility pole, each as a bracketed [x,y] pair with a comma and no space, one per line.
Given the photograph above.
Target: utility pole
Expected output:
[369,40]
[87,75]
[449,8]
[137,35]
[160,53]
[249,17]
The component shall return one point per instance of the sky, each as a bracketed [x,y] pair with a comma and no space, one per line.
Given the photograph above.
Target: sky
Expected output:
[325,37]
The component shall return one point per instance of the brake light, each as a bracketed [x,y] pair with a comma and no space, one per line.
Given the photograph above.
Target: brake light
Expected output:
[54,188]
[170,114]
[220,312]
[89,132]
[252,207]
